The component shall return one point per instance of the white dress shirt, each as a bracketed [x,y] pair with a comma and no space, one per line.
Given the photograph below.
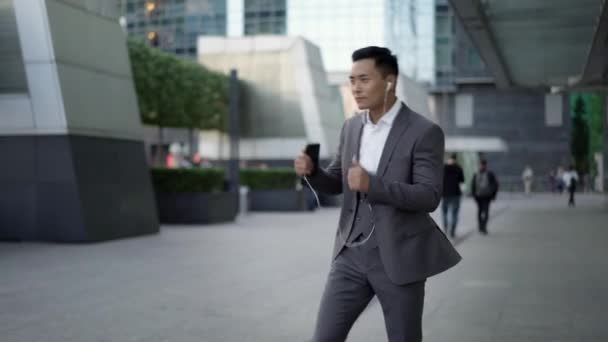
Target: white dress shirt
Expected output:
[374,137]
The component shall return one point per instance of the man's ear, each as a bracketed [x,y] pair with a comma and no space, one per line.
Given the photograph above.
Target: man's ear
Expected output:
[391,82]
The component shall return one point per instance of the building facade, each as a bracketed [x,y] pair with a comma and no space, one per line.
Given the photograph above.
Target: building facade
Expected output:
[69,124]
[174,25]
[336,27]
[511,128]
[286,100]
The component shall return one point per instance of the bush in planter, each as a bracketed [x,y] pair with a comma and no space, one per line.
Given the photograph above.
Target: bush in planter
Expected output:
[194,180]
[269,179]
[273,189]
[193,196]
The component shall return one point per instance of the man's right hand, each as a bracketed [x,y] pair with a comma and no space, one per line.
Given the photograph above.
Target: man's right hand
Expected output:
[303,165]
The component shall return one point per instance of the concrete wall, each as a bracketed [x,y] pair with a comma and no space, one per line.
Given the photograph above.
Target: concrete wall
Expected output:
[285,99]
[77,169]
[77,71]
[13,78]
[415,96]
[94,71]
[606,148]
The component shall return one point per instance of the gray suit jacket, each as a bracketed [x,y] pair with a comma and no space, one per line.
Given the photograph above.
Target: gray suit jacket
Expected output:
[406,188]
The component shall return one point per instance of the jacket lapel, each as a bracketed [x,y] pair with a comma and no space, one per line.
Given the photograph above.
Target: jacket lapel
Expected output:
[357,130]
[399,127]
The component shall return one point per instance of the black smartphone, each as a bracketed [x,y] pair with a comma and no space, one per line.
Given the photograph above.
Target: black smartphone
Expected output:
[312,150]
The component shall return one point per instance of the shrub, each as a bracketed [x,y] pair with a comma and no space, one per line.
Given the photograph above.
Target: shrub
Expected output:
[188,180]
[268,179]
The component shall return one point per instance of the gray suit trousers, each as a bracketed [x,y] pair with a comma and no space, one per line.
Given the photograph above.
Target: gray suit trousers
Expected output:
[357,275]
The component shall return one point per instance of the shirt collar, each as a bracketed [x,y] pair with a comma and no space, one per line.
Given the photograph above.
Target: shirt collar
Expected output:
[389,117]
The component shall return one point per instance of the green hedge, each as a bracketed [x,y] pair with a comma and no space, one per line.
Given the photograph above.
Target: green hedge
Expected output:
[172,92]
[209,180]
[188,180]
[268,179]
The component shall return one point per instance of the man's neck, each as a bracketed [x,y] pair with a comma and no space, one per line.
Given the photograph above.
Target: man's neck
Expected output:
[378,113]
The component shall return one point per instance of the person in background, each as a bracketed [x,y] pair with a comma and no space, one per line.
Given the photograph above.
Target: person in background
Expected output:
[527,176]
[560,180]
[484,188]
[570,179]
[453,177]
[552,182]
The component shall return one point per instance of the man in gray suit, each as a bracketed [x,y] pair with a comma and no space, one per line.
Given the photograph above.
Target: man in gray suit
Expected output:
[389,167]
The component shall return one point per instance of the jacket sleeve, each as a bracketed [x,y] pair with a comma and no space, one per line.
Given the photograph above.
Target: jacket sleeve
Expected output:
[496,185]
[473,185]
[424,193]
[460,175]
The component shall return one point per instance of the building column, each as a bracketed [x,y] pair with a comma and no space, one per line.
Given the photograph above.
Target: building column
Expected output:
[71,138]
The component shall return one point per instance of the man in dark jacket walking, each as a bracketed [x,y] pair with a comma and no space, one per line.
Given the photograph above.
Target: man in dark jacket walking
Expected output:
[450,205]
[484,188]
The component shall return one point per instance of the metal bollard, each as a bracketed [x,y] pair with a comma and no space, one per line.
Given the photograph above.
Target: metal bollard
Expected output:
[243,200]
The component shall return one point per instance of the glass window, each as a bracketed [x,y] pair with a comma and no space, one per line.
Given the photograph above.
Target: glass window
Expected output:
[553,111]
[443,25]
[443,53]
[265,17]
[464,110]
[442,40]
[442,7]
[473,59]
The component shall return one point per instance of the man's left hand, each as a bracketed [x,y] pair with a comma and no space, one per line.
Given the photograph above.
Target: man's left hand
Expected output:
[358,179]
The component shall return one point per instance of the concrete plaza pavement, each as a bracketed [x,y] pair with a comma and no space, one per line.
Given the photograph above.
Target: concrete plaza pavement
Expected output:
[540,275]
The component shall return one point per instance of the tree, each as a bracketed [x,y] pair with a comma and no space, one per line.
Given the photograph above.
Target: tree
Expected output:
[579,143]
[177,93]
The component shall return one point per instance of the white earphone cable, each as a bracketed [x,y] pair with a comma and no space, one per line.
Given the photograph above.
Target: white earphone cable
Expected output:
[313,191]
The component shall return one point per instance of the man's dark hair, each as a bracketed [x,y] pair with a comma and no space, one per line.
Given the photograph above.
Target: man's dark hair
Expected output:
[483,162]
[384,60]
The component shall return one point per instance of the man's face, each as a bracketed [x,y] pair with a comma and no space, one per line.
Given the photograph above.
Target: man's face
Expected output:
[367,84]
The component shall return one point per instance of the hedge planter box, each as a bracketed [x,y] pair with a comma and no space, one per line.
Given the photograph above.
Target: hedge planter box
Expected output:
[277,200]
[193,196]
[273,190]
[199,208]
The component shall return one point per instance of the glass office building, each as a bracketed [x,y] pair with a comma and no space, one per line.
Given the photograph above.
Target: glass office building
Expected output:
[342,26]
[455,56]
[338,27]
[265,17]
[174,25]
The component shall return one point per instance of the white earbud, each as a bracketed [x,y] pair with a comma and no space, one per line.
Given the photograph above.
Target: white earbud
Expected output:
[388,86]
